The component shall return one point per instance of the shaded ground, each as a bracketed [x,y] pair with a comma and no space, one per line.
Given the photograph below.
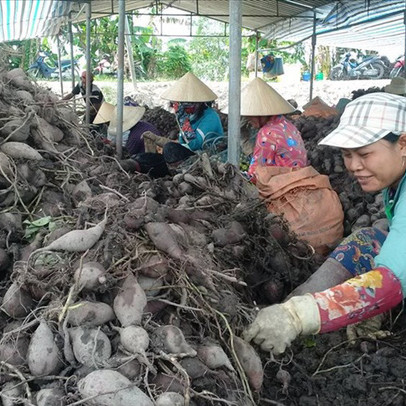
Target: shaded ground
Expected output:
[327,370]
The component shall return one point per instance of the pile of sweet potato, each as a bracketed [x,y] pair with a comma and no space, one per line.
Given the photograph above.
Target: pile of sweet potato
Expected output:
[118,289]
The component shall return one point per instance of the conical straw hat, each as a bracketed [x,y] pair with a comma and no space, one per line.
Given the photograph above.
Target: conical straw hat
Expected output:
[189,89]
[131,116]
[260,99]
[104,114]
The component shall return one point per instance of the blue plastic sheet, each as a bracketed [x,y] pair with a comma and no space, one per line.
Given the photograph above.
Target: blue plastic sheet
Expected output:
[272,65]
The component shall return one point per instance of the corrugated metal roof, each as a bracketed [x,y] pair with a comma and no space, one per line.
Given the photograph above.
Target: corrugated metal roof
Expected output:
[349,23]
[257,14]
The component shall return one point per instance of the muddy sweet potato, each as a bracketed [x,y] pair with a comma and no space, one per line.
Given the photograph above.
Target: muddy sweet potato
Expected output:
[171,340]
[17,302]
[90,314]
[21,150]
[44,357]
[130,302]
[50,397]
[78,240]
[134,339]
[250,362]
[12,392]
[14,352]
[164,238]
[90,276]
[90,346]
[214,356]
[170,399]
[107,388]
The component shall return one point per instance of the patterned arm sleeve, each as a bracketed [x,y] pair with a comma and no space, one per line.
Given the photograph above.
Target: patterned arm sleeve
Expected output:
[359,298]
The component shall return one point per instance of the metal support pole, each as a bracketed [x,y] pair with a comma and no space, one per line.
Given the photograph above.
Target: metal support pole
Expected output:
[58,44]
[313,56]
[88,61]
[256,53]
[234,84]
[130,53]
[72,59]
[120,78]
[404,54]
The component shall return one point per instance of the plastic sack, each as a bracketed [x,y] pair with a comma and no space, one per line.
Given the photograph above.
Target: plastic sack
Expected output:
[319,108]
[306,200]
[272,65]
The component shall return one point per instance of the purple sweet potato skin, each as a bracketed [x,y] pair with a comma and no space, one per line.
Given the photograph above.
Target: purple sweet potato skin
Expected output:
[250,362]
[164,239]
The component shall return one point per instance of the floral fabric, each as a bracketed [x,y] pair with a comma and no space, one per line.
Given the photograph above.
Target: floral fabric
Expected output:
[185,113]
[357,251]
[197,129]
[278,143]
[358,299]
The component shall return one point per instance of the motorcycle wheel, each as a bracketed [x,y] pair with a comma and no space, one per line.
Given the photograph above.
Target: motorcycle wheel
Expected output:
[395,72]
[34,73]
[379,68]
[337,73]
[67,74]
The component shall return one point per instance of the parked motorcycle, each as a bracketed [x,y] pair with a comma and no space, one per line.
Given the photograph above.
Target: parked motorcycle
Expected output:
[371,67]
[41,69]
[398,67]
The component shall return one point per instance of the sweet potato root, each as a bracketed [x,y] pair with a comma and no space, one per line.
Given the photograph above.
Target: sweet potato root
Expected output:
[250,362]
[43,355]
[107,388]
[130,302]
[90,314]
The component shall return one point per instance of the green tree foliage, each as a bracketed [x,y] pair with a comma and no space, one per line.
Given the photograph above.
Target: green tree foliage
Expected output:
[208,56]
[19,54]
[104,34]
[174,63]
[145,50]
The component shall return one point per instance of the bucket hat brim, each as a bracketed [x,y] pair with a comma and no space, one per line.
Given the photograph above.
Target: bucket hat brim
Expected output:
[368,119]
[353,137]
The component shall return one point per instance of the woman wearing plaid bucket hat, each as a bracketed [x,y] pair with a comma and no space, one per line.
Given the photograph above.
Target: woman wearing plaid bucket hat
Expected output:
[278,142]
[365,275]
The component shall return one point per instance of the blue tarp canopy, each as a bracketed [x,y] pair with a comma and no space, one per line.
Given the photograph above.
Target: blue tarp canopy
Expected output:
[23,19]
[348,23]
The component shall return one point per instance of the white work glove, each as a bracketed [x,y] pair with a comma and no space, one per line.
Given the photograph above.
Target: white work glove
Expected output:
[275,327]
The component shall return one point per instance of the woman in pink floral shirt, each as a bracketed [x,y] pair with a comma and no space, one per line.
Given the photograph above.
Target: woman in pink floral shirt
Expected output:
[278,141]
